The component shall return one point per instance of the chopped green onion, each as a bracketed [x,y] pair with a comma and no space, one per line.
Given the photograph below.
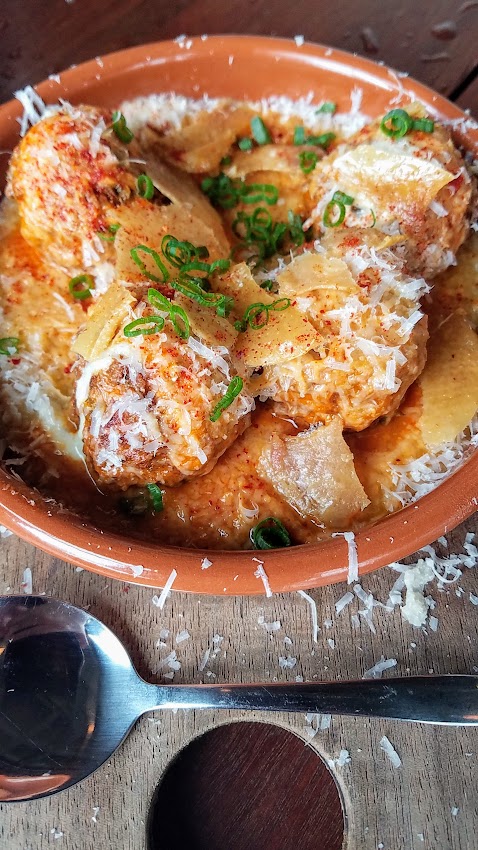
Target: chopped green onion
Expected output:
[145,187]
[254,311]
[121,128]
[279,305]
[426,125]
[322,141]
[259,131]
[244,144]
[231,393]
[341,198]
[178,253]
[139,326]
[299,136]
[80,286]
[196,266]
[227,193]
[256,193]
[339,201]
[328,106]
[157,259]
[177,315]
[396,123]
[142,499]
[221,190]
[112,228]
[156,496]
[226,160]
[9,345]
[270,533]
[374,217]
[268,285]
[296,231]
[307,161]
[192,288]
[222,265]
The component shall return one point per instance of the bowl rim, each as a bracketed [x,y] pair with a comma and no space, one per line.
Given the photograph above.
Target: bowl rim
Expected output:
[68,537]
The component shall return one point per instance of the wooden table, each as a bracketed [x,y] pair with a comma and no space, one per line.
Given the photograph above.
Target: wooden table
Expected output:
[428,802]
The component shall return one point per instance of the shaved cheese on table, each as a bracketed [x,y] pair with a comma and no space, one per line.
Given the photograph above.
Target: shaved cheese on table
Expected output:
[287,333]
[314,471]
[180,188]
[104,319]
[142,223]
[449,382]
[389,176]
[318,273]
[200,145]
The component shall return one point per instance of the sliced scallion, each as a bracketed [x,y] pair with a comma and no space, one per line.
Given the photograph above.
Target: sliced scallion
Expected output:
[156,497]
[140,327]
[80,286]
[299,136]
[231,393]
[134,253]
[328,107]
[259,131]
[322,141]
[177,315]
[245,144]
[425,125]
[307,161]
[145,187]
[335,210]
[9,345]
[121,128]
[396,123]
[270,533]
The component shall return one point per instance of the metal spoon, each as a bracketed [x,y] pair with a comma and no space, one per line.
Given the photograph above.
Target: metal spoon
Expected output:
[69,695]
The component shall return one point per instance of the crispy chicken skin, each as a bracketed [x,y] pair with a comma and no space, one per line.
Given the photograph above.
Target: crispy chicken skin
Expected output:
[430,206]
[67,174]
[373,336]
[146,408]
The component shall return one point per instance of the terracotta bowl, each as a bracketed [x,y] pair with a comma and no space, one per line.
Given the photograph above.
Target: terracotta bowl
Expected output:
[244,68]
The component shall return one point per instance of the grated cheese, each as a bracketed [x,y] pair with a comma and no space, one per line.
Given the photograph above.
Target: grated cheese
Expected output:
[313,611]
[33,107]
[344,600]
[27,582]
[377,670]
[287,663]
[269,627]
[261,573]
[161,599]
[349,537]
[390,752]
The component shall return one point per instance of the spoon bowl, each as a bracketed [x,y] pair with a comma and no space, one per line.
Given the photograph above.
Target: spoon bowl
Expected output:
[69,695]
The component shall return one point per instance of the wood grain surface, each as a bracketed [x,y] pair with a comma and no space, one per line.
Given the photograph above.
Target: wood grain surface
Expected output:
[253,781]
[430,802]
[384,805]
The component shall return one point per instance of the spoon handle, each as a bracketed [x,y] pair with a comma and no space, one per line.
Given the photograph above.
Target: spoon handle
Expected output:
[426,699]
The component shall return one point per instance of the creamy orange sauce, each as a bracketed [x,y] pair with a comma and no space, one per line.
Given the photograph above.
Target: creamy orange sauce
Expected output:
[216,510]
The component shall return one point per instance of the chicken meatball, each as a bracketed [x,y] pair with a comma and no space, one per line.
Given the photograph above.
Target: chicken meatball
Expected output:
[415,185]
[153,408]
[67,173]
[373,335]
